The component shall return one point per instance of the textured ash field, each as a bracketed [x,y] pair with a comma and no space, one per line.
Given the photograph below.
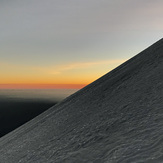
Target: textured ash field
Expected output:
[116,119]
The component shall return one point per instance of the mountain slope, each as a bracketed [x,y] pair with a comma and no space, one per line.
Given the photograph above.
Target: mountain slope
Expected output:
[118,118]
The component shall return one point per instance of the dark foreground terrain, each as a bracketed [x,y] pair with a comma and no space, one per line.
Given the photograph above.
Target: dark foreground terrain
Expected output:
[116,119]
[15,112]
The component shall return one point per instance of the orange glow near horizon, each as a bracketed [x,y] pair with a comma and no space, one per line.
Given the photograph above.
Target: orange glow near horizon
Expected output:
[67,76]
[42,86]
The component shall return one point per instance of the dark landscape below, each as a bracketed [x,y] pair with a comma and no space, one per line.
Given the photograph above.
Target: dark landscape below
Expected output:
[15,112]
[116,119]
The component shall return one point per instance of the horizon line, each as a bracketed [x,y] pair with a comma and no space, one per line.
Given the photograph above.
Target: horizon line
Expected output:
[42,86]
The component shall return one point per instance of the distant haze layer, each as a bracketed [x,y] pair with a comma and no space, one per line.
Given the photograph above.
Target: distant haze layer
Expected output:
[54,95]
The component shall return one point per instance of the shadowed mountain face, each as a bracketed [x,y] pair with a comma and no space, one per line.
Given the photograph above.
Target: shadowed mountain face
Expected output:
[118,118]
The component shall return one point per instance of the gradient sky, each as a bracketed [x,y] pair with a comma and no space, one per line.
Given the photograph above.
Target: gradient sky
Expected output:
[73,41]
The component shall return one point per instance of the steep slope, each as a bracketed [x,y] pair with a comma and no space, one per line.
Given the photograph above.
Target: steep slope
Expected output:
[118,118]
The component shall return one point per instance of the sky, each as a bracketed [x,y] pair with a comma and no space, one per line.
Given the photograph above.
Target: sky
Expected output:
[72,42]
